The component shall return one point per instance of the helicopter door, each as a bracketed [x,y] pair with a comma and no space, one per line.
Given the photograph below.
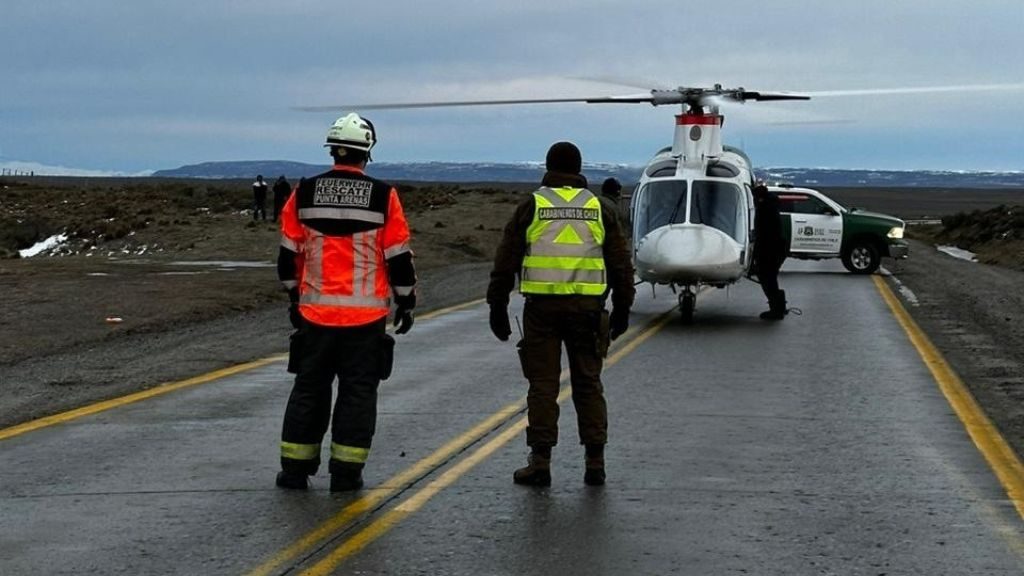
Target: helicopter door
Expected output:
[816,228]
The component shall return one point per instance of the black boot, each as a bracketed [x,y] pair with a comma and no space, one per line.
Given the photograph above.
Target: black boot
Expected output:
[536,473]
[292,480]
[776,307]
[594,474]
[346,478]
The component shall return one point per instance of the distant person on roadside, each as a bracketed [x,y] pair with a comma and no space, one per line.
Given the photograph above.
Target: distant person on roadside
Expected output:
[259,197]
[612,190]
[344,257]
[281,191]
[566,245]
[769,250]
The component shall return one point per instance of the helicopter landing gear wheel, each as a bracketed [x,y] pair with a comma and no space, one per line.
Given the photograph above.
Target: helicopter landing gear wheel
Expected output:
[687,304]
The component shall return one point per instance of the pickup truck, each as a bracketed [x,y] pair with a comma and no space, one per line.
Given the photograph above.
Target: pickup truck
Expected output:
[817,227]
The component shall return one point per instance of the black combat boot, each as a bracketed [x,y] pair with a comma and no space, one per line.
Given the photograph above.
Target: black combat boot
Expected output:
[594,474]
[292,480]
[346,478]
[537,472]
[776,307]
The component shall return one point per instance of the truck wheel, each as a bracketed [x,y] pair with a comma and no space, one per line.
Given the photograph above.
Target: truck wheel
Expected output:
[862,258]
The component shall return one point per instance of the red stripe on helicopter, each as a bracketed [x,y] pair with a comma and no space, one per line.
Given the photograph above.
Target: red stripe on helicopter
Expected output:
[697,119]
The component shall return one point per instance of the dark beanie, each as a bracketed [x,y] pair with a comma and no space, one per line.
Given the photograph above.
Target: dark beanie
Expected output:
[611,186]
[564,157]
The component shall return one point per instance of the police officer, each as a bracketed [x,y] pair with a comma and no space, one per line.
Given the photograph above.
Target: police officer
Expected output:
[344,254]
[769,250]
[281,191]
[567,247]
[612,190]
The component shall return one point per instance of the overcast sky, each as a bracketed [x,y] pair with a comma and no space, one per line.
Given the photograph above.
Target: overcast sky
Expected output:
[129,86]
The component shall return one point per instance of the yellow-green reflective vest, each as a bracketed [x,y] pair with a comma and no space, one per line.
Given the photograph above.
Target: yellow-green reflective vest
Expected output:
[563,244]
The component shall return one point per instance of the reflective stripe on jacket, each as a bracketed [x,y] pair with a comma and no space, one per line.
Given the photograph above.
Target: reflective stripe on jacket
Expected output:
[344,226]
[564,244]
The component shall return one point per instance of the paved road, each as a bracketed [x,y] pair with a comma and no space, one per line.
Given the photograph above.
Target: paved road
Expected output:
[819,445]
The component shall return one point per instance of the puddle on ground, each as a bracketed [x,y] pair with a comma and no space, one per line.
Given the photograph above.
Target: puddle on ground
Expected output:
[225,264]
[181,273]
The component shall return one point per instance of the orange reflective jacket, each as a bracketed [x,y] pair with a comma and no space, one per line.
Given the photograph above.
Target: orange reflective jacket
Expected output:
[348,233]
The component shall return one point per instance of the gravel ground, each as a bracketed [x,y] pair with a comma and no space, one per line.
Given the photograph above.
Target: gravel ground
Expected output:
[974,314]
[98,370]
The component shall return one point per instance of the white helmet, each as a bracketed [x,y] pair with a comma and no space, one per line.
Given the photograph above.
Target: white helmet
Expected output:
[352,131]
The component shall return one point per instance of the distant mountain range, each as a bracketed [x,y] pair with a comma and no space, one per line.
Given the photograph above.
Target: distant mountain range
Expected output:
[532,171]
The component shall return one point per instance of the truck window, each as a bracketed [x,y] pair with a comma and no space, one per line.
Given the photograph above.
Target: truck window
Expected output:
[802,204]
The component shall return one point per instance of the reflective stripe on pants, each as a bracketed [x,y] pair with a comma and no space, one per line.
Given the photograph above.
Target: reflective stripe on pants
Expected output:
[352,355]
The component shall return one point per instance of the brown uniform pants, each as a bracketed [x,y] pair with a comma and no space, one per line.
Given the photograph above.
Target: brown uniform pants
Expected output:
[550,321]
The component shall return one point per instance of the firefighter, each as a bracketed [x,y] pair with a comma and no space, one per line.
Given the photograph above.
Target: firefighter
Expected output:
[566,245]
[769,250]
[344,254]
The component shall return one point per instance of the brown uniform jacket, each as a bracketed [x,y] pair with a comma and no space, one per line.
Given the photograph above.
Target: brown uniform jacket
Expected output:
[508,260]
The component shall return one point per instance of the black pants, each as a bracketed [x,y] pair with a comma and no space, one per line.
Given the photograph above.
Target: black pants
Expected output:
[278,206]
[259,207]
[768,274]
[353,356]
[549,322]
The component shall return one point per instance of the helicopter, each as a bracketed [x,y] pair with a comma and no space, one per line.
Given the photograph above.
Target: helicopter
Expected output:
[692,209]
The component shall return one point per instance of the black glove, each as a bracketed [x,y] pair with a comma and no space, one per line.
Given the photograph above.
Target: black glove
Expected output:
[499,322]
[619,322]
[294,316]
[403,319]
[403,312]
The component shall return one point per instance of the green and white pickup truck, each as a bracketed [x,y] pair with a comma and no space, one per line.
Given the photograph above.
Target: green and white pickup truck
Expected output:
[818,227]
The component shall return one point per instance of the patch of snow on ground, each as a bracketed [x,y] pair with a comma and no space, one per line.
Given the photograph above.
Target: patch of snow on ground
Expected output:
[43,246]
[958,253]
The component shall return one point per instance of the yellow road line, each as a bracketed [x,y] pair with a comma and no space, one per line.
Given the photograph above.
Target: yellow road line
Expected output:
[132,398]
[416,501]
[1000,456]
[407,477]
[162,389]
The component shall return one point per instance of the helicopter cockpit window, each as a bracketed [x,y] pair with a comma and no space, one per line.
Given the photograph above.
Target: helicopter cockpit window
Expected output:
[660,203]
[719,205]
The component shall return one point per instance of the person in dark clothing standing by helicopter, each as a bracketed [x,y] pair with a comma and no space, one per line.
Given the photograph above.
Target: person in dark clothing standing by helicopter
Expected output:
[769,250]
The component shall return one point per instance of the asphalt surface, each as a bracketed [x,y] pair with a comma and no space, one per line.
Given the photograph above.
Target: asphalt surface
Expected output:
[818,445]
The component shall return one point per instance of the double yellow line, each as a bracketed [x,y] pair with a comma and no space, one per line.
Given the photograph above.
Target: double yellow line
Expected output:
[348,516]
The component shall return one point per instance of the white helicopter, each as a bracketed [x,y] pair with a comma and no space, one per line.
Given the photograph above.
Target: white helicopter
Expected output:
[692,212]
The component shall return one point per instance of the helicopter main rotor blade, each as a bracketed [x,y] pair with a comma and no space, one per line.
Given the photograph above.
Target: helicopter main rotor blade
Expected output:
[629,99]
[916,90]
[773,96]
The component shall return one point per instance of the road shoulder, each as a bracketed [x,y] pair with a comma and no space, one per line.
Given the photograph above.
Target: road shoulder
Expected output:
[974,314]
